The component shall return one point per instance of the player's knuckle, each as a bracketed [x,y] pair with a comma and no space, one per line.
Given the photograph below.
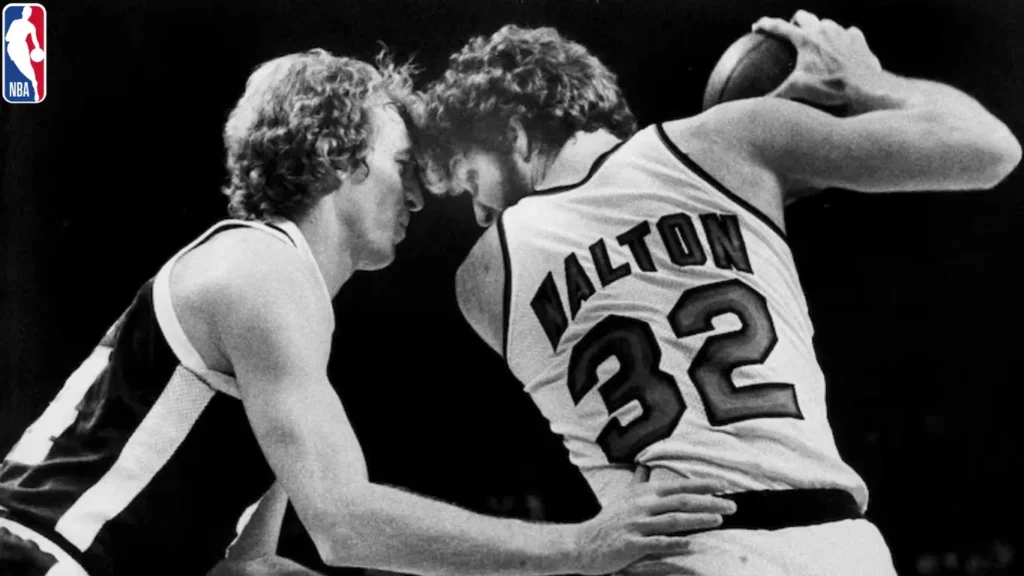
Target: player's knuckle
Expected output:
[679,546]
[680,501]
[671,545]
[635,543]
[686,521]
[653,542]
[680,521]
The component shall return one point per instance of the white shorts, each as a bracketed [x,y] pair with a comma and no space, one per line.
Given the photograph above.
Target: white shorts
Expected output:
[844,548]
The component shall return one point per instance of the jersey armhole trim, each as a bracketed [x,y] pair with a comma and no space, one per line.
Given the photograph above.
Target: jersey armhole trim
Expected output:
[167,318]
[704,175]
[506,308]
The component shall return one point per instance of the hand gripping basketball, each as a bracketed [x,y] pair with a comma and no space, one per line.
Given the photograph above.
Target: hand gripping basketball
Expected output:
[830,59]
[640,521]
[37,55]
[752,66]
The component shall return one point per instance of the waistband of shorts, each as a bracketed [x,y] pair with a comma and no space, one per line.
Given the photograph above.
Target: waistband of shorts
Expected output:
[778,509]
[40,534]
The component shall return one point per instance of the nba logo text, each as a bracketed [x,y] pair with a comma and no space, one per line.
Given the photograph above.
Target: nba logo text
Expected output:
[24,71]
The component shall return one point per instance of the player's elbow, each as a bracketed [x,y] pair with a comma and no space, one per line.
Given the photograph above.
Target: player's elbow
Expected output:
[985,150]
[339,530]
[1005,153]
[991,158]
[934,152]
[334,546]
[337,542]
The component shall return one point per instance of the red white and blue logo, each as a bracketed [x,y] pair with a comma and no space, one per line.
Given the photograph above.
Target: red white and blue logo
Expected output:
[24,71]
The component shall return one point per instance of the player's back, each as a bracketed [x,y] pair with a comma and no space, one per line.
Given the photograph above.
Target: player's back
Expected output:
[656,317]
[145,460]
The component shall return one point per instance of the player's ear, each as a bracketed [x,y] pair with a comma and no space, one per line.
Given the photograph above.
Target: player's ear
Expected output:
[520,141]
[331,181]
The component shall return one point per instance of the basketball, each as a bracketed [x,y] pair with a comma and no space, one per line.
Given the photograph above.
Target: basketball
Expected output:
[37,55]
[753,66]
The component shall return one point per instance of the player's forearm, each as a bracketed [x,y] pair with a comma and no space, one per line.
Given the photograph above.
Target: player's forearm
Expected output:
[388,529]
[945,113]
[888,91]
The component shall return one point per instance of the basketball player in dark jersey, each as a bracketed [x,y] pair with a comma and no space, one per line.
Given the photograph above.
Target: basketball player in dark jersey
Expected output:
[639,284]
[213,383]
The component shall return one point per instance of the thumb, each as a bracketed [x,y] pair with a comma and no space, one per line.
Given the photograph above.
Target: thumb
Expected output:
[651,566]
[640,475]
[799,87]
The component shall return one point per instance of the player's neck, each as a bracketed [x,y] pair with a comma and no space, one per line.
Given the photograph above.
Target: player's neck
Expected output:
[330,245]
[573,161]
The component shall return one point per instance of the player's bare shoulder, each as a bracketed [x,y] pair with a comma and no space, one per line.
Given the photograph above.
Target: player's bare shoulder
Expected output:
[725,141]
[236,271]
[479,288]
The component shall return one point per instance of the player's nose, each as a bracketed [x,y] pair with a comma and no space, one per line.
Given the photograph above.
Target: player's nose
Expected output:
[485,215]
[414,198]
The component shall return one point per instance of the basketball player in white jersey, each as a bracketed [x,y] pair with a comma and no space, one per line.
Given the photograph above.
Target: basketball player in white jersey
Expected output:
[639,283]
[213,383]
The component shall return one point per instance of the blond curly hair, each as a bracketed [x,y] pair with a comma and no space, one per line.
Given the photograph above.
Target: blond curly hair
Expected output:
[302,118]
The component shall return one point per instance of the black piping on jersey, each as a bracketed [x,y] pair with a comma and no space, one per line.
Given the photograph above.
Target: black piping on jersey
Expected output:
[281,230]
[236,225]
[696,169]
[507,290]
[590,174]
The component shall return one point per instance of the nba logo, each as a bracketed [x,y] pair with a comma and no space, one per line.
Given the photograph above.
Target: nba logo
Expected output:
[24,73]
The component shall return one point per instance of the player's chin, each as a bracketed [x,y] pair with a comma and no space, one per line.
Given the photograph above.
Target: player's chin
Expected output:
[378,264]
[384,249]
[382,256]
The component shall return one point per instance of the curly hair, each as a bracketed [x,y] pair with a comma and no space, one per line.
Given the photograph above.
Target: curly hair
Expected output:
[303,118]
[553,86]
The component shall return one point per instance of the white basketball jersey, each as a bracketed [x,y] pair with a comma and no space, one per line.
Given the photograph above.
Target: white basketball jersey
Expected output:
[657,318]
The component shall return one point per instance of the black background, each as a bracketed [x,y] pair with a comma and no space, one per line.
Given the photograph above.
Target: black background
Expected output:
[916,297]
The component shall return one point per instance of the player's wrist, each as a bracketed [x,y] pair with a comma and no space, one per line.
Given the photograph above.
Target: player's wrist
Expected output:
[553,549]
[561,550]
[879,90]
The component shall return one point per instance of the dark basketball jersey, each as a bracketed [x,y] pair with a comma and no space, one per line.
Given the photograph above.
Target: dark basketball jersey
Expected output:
[144,462]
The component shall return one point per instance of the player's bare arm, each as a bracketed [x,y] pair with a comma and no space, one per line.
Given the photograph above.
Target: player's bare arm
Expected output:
[906,134]
[903,135]
[278,342]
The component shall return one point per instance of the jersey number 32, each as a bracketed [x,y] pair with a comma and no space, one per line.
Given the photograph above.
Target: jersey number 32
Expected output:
[632,343]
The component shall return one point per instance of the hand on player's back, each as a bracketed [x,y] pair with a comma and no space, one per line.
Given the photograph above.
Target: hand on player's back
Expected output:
[640,522]
[831,60]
